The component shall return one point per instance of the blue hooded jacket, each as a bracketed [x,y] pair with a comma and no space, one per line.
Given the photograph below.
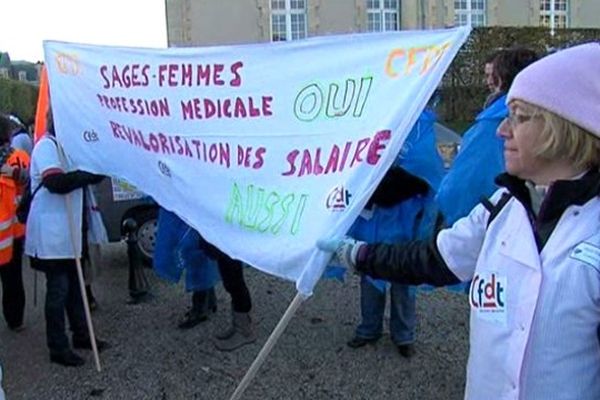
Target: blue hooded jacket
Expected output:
[177,250]
[479,161]
[419,157]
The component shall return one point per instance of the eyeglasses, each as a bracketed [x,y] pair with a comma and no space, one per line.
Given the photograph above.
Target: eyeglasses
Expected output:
[513,120]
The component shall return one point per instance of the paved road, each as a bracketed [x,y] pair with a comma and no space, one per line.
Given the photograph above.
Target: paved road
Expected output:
[151,359]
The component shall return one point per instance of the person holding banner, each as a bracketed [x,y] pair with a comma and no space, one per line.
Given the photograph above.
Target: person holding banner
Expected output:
[13,177]
[535,262]
[401,208]
[50,245]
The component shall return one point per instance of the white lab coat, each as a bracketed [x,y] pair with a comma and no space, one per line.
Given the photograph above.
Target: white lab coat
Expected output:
[534,317]
[48,234]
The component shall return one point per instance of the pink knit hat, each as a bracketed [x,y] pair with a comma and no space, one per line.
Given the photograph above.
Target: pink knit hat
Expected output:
[566,83]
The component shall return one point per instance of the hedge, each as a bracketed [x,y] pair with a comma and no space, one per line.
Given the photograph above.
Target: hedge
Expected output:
[463,89]
[18,98]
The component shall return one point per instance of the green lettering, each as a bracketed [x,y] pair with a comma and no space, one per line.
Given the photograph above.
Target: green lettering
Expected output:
[248,221]
[235,208]
[335,107]
[363,94]
[259,210]
[272,199]
[285,209]
[298,216]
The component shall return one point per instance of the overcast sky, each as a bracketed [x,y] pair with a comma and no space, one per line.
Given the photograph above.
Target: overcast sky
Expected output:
[26,23]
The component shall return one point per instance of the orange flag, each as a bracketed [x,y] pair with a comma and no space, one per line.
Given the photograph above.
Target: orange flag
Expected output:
[42,107]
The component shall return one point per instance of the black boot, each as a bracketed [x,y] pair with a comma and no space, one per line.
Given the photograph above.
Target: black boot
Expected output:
[203,303]
[86,344]
[67,359]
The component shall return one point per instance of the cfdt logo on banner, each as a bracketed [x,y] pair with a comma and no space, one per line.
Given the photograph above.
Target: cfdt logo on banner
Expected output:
[67,64]
[164,169]
[90,136]
[338,199]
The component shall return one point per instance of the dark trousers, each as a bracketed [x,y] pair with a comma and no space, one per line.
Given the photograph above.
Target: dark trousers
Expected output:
[62,294]
[204,301]
[232,275]
[13,293]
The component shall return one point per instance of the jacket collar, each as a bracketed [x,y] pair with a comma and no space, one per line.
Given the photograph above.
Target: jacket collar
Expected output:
[561,194]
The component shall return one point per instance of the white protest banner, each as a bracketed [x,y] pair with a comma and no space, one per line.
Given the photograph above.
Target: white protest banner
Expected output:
[262,148]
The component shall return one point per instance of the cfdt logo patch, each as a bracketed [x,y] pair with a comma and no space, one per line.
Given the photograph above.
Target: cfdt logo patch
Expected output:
[488,296]
[338,199]
[90,136]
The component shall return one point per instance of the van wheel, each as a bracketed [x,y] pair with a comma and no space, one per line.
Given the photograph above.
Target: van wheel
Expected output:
[146,233]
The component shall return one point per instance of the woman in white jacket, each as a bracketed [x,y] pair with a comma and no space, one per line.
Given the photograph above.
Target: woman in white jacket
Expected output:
[62,195]
[534,261]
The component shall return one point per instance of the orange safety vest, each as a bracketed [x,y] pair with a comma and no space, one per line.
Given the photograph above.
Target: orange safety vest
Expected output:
[10,194]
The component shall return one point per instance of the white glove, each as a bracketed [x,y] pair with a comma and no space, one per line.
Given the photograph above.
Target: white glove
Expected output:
[7,170]
[21,175]
[345,250]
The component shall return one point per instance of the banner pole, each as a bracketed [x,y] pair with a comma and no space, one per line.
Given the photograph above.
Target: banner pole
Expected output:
[86,305]
[88,315]
[268,346]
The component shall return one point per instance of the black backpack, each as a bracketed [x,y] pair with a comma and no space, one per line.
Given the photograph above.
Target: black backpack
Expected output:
[25,203]
[27,198]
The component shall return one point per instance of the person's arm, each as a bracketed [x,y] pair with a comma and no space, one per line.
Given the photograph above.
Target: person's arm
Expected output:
[410,263]
[450,257]
[59,182]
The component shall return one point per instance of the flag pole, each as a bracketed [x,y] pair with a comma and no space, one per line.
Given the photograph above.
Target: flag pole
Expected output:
[41,122]
[268,346]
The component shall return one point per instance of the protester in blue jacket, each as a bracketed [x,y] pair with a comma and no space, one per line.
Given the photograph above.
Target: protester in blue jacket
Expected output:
[481,157]
[177,251]
[400,209]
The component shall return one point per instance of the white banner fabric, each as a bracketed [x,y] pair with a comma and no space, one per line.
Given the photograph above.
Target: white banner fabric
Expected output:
[262,148]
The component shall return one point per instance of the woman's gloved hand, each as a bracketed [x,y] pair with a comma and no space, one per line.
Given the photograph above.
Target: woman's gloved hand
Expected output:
[345,250]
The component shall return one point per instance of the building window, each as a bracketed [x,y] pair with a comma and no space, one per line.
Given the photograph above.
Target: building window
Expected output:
[4,73]
[469,12]
[554,14]
[288,20]
[382,15]
[22,76]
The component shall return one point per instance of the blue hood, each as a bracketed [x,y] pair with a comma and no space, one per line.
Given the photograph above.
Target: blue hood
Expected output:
[419,155]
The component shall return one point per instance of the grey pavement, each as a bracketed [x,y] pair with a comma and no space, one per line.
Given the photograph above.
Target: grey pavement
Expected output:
[151,359]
